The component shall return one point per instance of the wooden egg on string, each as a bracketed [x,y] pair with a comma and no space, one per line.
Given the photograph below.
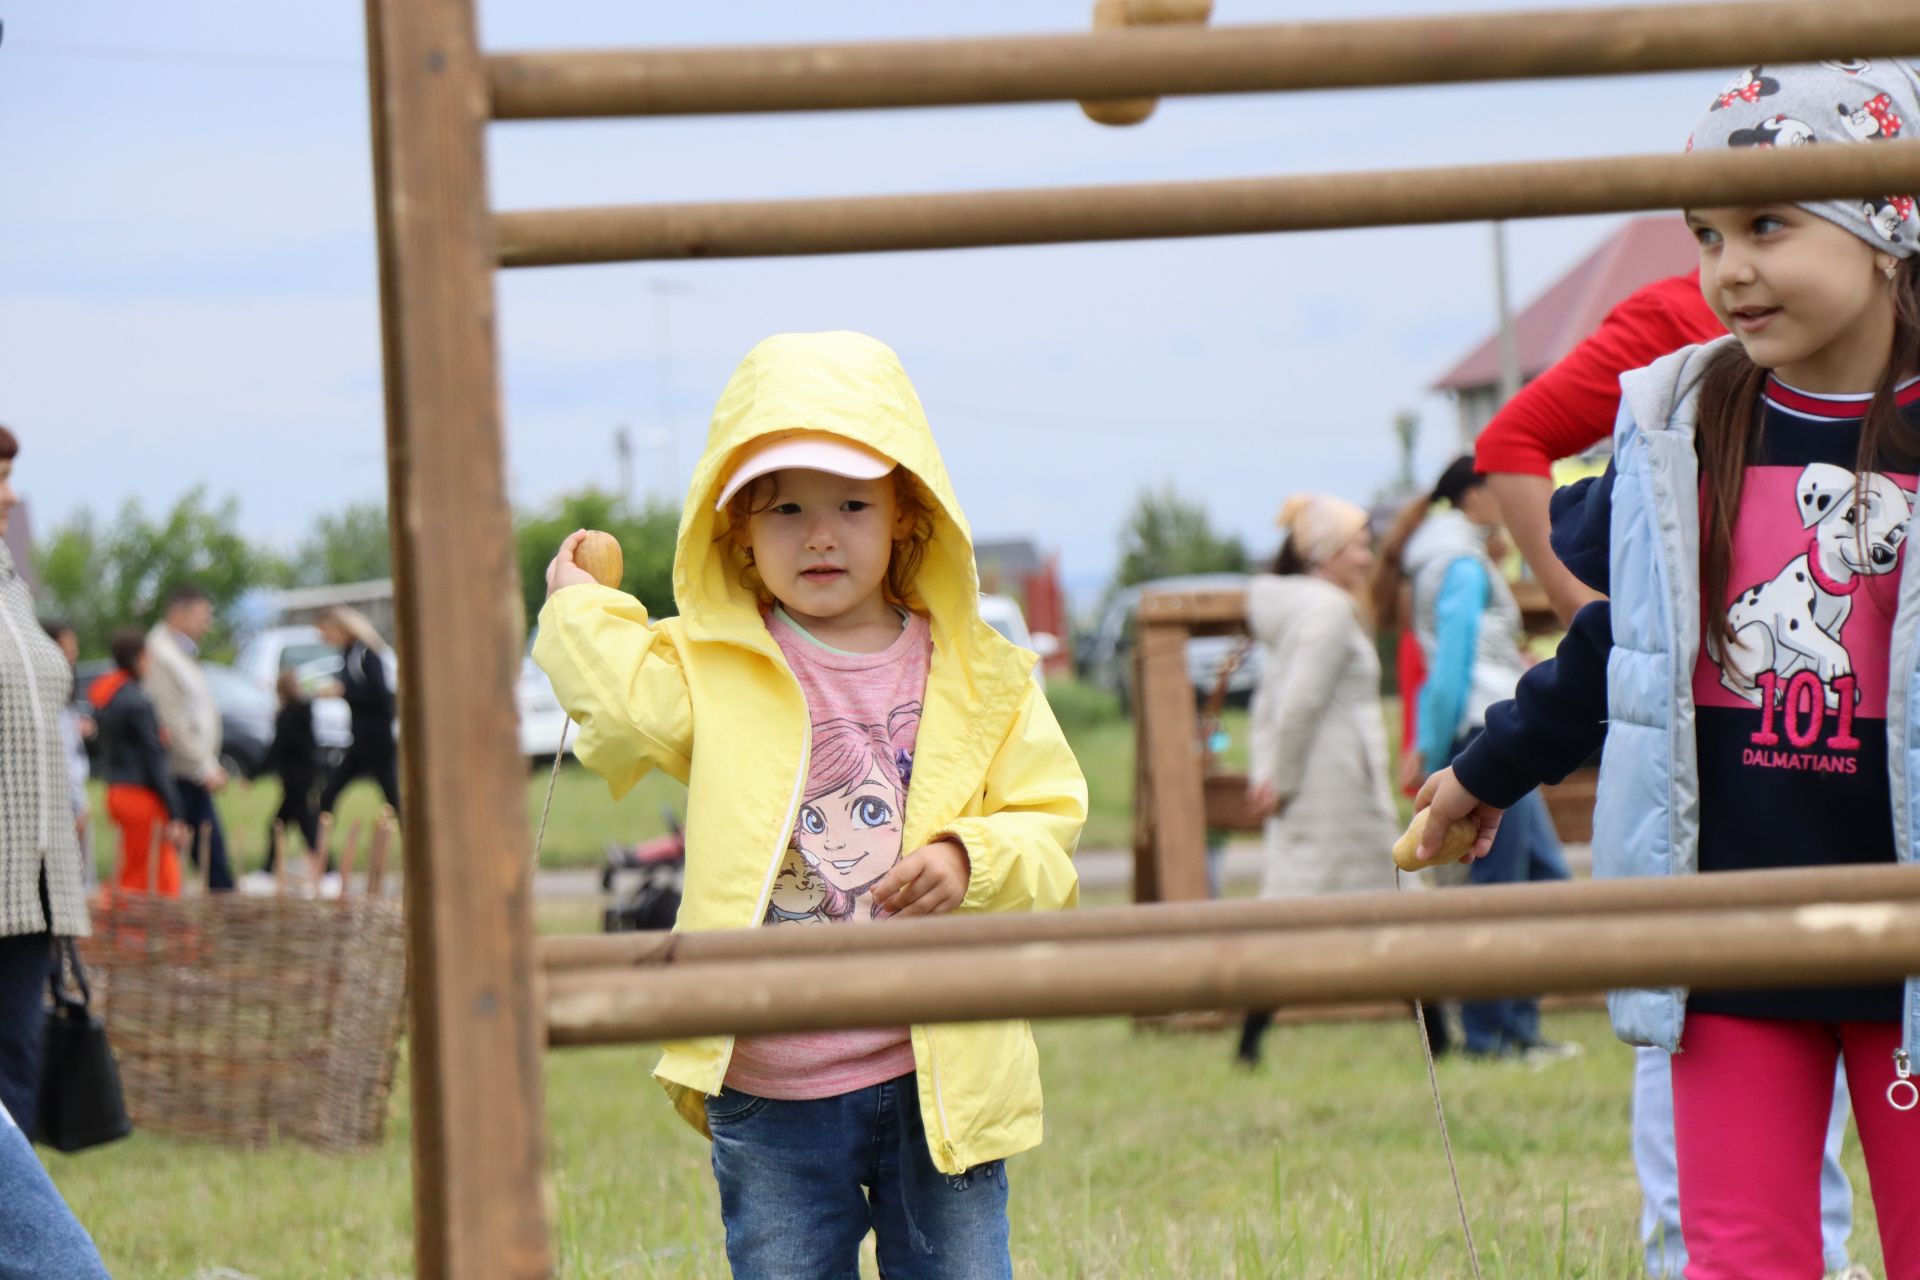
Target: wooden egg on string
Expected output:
[1112,15]
[600,555]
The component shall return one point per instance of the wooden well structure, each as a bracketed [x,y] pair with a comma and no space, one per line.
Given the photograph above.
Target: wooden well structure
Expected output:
[487,1001]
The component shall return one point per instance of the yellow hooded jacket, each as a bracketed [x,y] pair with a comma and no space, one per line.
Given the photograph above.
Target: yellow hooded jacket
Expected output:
[709,698]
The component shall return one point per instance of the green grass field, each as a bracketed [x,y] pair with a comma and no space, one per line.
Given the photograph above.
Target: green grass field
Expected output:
[1161,1160]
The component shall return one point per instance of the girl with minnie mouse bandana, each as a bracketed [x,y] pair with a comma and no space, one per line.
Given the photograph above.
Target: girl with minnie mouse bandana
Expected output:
[1751,666]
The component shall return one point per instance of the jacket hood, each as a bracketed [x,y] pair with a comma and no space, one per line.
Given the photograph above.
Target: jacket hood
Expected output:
[851,386]
[1444,536]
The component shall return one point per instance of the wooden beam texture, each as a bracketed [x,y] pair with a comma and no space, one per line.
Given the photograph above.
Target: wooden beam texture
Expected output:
[1558,900]
[1155,62]
[475,1031]
[1709,950]
[1238,206]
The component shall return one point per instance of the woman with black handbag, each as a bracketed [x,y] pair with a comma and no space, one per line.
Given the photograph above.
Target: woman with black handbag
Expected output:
[41,896]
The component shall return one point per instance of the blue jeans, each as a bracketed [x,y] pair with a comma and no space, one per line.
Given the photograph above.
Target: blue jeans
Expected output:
[196,804]
[1653,1158]
[1525,849]
[801,1184]
[39,1237]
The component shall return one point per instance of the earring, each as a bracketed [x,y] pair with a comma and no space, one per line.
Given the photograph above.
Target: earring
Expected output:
[1890,270]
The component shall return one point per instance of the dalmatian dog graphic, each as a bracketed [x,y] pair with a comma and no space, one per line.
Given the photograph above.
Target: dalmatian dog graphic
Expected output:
[1792,623]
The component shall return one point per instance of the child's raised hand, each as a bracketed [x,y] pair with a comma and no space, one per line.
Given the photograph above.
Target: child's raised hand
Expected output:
[930,880]
[562,572]
[1450,802]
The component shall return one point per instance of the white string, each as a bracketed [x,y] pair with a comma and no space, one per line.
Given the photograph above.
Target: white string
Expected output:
[559,755]
[1440,1114]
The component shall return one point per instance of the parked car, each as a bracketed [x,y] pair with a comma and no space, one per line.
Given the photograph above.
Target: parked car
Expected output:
[300,649]
[246,719]
[542,720]
[1107,659]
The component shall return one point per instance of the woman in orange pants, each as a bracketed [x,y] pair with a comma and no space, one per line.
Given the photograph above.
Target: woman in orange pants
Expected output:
[141,798]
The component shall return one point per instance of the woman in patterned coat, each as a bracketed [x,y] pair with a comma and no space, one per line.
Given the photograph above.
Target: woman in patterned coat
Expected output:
[40,887]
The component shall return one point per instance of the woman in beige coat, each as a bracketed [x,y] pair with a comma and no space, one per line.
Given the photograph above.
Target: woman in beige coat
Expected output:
[1319,743]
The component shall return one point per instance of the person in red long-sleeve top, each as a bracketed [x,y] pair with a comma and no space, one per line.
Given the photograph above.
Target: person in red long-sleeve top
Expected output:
[1571,407]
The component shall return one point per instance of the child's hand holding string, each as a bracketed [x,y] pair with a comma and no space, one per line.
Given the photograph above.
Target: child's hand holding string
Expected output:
[930,880]
[1450,802]
[562,571]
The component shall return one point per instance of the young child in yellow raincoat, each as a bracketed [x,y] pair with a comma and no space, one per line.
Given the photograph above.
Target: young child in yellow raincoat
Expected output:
[857,745]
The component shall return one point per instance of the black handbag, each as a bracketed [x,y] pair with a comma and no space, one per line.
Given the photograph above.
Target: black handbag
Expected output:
[80,1101]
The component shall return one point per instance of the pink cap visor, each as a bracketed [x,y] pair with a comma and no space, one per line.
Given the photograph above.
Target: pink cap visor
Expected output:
[810,452]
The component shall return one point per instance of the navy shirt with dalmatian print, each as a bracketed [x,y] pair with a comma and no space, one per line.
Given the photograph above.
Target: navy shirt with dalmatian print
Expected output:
[1792,713]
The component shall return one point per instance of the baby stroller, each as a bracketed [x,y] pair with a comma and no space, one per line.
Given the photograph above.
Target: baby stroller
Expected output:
[642,882]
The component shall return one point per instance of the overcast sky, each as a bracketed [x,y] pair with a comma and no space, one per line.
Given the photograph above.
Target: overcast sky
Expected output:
[190,297]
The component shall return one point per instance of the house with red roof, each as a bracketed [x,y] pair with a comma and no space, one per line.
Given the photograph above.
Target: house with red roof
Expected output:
[1643,250]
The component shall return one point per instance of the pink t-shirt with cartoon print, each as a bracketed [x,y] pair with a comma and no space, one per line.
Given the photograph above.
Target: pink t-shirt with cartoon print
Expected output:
[865,713]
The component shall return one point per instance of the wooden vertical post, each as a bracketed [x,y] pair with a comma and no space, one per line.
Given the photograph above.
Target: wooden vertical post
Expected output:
[1176,817]
[476,1037]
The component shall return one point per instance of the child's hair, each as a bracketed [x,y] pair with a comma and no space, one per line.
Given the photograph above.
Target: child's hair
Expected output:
[909,552]
[355,624]
[1384,589]
[1730,427]
[288,687]
[126,648]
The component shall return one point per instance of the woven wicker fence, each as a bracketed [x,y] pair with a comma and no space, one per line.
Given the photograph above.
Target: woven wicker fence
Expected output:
[253,1019]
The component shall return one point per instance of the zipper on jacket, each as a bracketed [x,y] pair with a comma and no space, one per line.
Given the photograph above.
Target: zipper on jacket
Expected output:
[39,727]
[939,1101]
[1903,1094]
[779,856]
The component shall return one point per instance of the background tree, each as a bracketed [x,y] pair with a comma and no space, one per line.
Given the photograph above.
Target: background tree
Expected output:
[103,576]
[646,532]
[1167,536]
[352,545]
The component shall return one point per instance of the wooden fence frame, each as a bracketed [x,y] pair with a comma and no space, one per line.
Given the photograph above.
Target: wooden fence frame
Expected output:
[477,1024]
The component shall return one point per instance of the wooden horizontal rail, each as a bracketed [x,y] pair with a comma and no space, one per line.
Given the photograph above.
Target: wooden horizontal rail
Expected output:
[1196,610]
[1241,206]
[1154,62]
[1721,891]
[1711,950]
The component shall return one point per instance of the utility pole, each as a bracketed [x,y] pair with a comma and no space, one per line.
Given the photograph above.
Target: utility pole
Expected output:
[623,454]
[1509,348]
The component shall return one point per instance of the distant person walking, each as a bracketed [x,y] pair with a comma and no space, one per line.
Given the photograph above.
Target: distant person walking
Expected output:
[369,697]
[294,757]
[190,720]
[142,795]
[1320,774]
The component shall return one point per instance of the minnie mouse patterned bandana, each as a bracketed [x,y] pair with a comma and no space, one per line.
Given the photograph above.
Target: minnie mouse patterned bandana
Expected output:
[1801,104]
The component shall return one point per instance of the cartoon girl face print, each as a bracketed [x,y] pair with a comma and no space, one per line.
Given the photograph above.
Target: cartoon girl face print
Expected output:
[848,830]
[798,894]
[852,838]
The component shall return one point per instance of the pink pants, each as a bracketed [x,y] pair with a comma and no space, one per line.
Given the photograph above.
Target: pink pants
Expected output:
[1750,1104]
